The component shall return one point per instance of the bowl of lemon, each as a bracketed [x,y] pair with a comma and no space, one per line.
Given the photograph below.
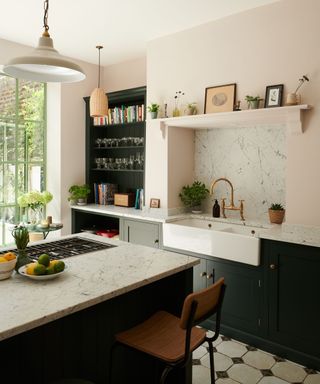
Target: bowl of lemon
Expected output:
[43,269]
[7,263]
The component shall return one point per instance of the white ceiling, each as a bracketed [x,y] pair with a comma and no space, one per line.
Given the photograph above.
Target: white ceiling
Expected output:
[123,27]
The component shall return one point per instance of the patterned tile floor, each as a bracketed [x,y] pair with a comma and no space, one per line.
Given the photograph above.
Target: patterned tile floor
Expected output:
[240,363]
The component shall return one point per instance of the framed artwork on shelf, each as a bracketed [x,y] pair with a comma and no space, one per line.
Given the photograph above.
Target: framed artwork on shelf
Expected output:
[273,96]
[154,203]
[220,98]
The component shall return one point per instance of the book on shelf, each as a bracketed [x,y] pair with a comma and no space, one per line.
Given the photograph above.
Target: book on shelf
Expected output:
[104,193]
[121,115]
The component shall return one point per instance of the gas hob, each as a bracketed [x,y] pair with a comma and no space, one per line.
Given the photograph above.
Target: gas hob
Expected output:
[61,249]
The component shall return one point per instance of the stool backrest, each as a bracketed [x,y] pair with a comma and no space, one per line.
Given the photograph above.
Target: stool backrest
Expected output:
[208,301]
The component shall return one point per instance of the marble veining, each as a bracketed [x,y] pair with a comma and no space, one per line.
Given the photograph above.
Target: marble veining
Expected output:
[252,158]
[90,279]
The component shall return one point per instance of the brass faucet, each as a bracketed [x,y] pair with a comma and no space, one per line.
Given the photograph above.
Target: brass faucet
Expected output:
[230,207]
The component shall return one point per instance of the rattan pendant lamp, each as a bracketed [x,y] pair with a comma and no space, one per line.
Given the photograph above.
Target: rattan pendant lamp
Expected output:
[44,63]
[98,98]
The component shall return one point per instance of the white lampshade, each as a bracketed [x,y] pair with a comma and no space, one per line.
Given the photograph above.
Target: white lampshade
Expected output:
[98,103]
[44,64]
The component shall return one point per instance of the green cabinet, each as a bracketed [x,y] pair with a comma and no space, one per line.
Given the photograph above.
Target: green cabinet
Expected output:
[242,307]
[115,152]
[292,277]
[140,232]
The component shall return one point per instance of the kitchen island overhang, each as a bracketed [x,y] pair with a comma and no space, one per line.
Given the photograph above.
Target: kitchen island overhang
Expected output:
[71,320]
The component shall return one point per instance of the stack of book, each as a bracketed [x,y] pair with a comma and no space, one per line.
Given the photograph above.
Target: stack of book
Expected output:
[104,193]
[121,115]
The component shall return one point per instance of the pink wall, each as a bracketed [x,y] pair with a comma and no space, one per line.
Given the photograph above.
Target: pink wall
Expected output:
[129,74]
[268,45]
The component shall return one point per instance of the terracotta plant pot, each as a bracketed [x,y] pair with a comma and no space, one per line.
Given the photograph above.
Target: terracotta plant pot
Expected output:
[276,216]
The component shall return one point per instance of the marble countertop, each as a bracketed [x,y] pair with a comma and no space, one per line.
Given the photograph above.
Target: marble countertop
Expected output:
[291,233]
[151,214]
[89,279]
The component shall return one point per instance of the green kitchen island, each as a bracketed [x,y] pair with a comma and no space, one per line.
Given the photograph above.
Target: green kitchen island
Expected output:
[64,328]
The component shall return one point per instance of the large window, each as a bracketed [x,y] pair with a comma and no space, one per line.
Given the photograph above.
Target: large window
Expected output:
[22,146]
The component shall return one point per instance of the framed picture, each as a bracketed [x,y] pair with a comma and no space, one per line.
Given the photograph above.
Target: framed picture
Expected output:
[221,98]
[154,203]
[273,96]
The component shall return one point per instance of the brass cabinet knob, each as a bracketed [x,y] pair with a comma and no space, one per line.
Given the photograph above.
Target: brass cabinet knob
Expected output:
[272,266]
[203,274]
[156,241]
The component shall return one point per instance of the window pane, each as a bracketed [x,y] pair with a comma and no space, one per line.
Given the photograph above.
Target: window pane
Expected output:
[36,178]
[31,100]
[7,96]
[9,177]
[9,142]
[35,141]
[7,220]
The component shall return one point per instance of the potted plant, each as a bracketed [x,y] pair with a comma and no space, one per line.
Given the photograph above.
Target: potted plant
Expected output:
[276,213]
[192,196]
[191,109]
[79,194]
[153,108]
[253,101]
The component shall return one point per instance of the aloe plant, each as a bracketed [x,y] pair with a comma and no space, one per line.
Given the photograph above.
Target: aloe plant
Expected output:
[276,207]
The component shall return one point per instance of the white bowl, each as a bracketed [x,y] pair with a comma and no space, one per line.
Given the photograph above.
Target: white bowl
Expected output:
[6,268]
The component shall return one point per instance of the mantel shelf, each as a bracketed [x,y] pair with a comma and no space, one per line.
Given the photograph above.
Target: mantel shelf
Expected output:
[291,116]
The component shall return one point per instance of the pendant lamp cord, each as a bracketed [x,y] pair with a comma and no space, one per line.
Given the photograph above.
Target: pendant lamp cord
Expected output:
[99,47]
[45,17]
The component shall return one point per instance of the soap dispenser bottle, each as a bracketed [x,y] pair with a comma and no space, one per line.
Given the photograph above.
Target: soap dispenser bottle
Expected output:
[216,209]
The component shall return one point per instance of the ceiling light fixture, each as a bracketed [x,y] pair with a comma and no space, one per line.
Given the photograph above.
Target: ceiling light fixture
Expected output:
[98,98]
[44,64]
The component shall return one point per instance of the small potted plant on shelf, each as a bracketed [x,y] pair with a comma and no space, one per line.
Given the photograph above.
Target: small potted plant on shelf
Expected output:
[276,213]
[79,194]
[153,108]
[191,109]
[253,101]
[192,196]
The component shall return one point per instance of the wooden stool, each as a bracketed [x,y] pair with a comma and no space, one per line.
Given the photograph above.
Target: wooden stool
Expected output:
[171,339]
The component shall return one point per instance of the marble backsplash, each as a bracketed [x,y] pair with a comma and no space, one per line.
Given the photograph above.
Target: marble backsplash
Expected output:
[253,159]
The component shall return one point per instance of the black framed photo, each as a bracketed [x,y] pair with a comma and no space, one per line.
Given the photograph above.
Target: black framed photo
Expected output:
[273,96]
[220,98]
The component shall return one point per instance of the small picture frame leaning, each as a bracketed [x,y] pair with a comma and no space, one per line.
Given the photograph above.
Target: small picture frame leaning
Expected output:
[273,96]
[154,203]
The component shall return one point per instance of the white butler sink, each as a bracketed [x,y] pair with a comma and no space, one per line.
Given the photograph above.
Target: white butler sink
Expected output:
[234,242]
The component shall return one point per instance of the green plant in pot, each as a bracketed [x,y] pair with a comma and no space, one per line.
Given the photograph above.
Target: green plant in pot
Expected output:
[192,196]
[253,101]
[153,108]
[79,194]
[276,213]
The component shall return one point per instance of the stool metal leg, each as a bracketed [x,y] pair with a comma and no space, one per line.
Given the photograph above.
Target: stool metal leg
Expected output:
[165,374]
[211,362]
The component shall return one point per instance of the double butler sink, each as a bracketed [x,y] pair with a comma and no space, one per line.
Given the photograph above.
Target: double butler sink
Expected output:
[234,242]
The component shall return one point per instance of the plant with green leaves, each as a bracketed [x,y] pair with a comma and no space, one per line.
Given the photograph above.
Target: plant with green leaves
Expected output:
[21,236]
[276,207]
[153,107]
[252,98]
[192,196]
[79,192]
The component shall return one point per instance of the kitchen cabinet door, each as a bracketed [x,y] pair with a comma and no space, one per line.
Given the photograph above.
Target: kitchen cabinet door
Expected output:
[292,272]
[242,307]
[140,232]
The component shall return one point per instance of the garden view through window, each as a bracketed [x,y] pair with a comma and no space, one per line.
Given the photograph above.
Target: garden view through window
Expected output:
[22,147]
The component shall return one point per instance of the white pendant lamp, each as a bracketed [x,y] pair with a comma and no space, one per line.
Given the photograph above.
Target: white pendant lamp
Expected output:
[44,64]
[98,98]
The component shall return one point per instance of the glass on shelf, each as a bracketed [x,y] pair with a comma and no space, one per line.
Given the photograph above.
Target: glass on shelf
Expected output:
[98,142]
[98,162]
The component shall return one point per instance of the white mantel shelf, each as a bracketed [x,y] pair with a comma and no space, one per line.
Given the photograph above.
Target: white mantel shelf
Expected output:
[291,116]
